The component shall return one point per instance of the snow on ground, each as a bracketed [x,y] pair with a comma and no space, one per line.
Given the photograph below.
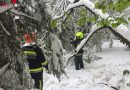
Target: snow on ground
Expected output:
[108,70]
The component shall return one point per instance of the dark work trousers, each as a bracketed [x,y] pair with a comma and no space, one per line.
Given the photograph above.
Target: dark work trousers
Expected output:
[79,62]
[38,78]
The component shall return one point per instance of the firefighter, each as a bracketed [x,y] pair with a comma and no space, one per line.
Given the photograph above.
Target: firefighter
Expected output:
[78,57]
[36,60]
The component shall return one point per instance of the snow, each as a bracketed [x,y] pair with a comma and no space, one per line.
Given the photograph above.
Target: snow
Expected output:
[73,5]
[1,89]
[124,31]
[84,40]
[71,1]
[2,70]
[90,5]
[121,29]
[107,70]
[4,8]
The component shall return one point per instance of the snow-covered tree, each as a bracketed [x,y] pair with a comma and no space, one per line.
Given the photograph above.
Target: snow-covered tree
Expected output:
[67,17]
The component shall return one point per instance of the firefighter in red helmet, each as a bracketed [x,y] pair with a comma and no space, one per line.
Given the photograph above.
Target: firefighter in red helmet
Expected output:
[35,58]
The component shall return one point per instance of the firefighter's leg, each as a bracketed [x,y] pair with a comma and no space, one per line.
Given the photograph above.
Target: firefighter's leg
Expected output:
[81,61]
[76,63]
[38,78]
[41,84]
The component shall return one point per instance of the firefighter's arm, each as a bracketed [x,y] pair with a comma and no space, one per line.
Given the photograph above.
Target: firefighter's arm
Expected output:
[44,62]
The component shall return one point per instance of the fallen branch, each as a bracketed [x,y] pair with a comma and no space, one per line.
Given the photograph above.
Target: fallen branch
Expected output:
[4,28]
[4,68]
[115,88]
[82,44]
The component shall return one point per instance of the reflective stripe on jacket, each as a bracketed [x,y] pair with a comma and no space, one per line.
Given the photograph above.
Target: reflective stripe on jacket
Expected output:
[36,70]
[35,58]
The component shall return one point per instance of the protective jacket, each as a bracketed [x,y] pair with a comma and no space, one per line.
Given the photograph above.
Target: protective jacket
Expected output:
[76,43]
[35,57]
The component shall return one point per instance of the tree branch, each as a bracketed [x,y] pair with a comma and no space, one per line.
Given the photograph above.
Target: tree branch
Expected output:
[4,9]
[89,5]
[29,5]
[3,69]
[4,29]
[23,14]
[58,8]
[115,88]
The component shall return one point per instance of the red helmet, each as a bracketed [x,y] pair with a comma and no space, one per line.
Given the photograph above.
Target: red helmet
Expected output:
[28,38]
[13,1]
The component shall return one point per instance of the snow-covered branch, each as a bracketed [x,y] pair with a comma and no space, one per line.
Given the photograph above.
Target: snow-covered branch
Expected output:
[121,29]
[3,69]
[90,6]
[84,41]
[59,9]
[70,6]
[4,9]
[4,29]
[22,14]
